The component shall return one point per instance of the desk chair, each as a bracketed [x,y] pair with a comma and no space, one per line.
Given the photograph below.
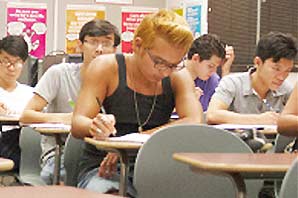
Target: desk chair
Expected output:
[30,157]
[281,142]
[289,187]
[157,174]
[72,151]
[54,57]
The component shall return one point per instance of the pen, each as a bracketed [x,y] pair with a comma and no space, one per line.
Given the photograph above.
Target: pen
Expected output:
[103,111]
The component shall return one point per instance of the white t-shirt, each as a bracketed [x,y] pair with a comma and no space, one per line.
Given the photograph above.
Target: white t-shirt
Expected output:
[16,100]
[58,85]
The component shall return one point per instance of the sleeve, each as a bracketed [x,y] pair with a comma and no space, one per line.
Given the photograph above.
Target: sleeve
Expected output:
[226,90]
[49,84]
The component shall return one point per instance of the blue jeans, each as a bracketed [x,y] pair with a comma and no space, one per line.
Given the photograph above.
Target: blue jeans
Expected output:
[93,182]
[47,172]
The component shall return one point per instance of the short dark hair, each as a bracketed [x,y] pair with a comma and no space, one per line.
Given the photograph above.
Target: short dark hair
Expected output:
[99,27]
[277,45]
[206,46]
[15,46]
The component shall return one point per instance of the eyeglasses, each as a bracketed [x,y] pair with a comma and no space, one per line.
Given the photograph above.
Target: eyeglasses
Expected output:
[8,63]
[163,65]
[104,44]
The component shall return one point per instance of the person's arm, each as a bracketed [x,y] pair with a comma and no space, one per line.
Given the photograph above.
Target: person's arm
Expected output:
[218,113]
[33,113]
[230,56]
[86,121]
[288,121]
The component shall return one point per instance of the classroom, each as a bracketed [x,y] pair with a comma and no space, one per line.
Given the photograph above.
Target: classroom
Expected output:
[139,98]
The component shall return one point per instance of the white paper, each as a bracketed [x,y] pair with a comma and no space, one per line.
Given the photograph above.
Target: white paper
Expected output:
[246,126]
[132,137]
[50,125]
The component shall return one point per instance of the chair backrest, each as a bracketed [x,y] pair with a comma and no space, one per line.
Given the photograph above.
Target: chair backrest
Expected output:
[289,187]
[72,152]
[54,57]
[30,157]
[157,174]
[281,142]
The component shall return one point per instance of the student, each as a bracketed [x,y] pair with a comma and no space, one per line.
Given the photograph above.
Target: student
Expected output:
[61,83]
[288,121]
[13,95]
[138,91]
[207,53]
[256,96]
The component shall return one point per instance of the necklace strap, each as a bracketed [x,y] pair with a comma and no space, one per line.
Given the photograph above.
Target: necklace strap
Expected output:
[141,125]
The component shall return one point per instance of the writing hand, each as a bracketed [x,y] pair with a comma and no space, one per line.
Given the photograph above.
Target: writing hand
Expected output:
[268,117]
[199,92]
[102,126]
[3,109]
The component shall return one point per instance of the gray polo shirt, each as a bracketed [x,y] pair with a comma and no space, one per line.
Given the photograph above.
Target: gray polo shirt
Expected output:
[236,91]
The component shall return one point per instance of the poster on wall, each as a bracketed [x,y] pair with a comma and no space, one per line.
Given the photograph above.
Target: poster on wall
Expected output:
[195,13]
[30,21]
[76,17]
[193,17]
[131,18]
[123,2]
[176,6]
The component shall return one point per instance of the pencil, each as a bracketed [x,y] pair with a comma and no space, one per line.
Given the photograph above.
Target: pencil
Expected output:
[103,111]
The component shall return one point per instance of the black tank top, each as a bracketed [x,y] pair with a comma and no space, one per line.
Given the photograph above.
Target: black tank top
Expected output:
[122,105]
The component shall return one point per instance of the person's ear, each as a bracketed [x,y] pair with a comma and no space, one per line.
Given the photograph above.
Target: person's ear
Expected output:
[196,57]
[79,48]
[258,61]
[138,44]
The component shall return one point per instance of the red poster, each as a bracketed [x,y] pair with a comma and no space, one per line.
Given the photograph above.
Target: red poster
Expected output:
[131,18]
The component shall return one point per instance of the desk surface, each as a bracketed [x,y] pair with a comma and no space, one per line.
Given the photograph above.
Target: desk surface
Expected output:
[51,130]
[238,162]
[6,164]
[9,118]
[49,192]
[113,144]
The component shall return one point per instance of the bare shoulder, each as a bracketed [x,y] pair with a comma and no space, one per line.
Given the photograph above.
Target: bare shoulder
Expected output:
[181,77]
[104,63]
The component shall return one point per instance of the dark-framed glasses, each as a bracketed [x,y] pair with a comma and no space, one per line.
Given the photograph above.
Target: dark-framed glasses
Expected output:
[7,63]
[107,44]
[163,65]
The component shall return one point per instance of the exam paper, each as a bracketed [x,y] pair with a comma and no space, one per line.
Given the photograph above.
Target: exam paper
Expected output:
[132,137]
[50,125]
[246,126]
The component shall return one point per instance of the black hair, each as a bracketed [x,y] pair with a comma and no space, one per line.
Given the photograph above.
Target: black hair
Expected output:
[98,27]
[206,46]
[14,46]
[277,45]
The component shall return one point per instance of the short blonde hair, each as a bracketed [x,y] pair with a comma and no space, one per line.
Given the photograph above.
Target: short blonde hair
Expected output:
[165,24]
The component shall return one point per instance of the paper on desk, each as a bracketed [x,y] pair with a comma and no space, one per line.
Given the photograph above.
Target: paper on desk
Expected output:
[50,125]
[246,126]
[11,115]
[132,137]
